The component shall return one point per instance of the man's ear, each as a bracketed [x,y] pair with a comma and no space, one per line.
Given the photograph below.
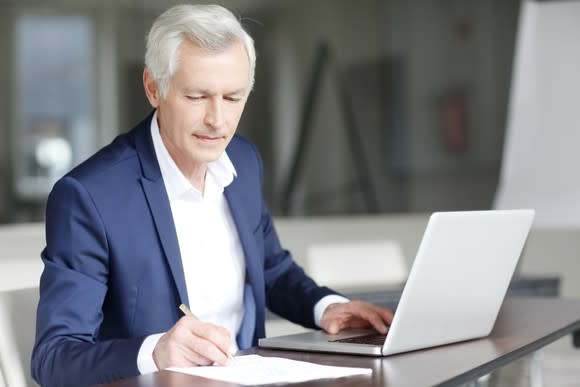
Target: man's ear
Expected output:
[151,88]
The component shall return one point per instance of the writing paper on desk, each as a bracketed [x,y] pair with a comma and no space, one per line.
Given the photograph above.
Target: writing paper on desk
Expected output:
[255,370]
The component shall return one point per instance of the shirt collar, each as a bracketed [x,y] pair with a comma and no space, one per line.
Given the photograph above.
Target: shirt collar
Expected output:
[221,172]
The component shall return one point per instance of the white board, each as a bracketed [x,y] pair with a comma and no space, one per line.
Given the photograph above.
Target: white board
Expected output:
[541,161]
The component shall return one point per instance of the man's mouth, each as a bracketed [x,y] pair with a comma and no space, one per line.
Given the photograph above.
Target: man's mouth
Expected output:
[207,138]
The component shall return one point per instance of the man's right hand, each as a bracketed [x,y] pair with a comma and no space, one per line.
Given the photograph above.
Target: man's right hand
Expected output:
[191,343]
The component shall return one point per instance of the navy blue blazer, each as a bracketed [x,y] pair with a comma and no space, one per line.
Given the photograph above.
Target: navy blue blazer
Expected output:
[113,272]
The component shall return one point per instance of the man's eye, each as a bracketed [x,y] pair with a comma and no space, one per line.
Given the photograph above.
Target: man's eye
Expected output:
[194,97]
[232,99]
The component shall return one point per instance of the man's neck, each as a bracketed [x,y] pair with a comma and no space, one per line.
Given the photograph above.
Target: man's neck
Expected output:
[197,177]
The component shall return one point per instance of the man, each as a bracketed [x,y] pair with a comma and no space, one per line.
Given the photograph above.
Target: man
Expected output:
[169,213]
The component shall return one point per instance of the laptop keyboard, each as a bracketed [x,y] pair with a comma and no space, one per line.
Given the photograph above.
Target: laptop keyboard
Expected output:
[369,339]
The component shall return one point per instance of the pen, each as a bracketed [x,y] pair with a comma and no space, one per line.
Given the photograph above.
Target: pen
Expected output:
[186,311]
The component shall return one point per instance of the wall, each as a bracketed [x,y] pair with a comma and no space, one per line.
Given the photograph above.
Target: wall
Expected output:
[295,39]
[434,59]
[445,46]
[5,108]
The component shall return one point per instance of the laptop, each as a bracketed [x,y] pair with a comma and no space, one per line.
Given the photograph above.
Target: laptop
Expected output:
[454,291]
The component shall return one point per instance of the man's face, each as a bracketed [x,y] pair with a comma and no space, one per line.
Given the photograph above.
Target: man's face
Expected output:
[203,105]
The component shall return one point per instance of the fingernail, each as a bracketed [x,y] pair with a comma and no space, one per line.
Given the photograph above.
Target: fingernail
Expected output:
[232,350]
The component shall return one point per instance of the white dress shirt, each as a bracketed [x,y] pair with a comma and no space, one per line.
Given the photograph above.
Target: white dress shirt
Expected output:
[211,253]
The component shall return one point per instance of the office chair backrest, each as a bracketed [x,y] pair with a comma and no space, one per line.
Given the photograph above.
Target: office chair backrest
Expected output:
[21,241]
[17,332]
[357,264]
[20,248]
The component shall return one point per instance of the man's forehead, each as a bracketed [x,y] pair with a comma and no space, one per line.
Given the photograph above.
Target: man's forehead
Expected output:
[213,48]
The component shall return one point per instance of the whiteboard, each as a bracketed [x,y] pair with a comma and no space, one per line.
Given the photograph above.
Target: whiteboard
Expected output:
[541,159]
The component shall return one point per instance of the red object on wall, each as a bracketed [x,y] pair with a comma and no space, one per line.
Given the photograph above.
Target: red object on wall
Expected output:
[455,123]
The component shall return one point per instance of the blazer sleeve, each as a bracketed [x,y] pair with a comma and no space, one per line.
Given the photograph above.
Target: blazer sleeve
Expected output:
[290,292]
[73,287]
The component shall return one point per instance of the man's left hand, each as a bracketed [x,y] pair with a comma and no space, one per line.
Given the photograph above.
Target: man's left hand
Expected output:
[355,314]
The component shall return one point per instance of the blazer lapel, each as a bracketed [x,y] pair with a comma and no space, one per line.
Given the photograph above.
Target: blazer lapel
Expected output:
[154,189]
[235,197]
[238,199]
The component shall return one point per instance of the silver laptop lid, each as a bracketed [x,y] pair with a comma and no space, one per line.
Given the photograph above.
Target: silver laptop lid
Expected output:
[459,278]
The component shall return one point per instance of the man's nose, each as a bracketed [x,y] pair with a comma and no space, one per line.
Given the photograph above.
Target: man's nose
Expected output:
[214,114]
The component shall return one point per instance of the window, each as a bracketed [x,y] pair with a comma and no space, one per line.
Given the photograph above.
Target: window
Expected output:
[55,102]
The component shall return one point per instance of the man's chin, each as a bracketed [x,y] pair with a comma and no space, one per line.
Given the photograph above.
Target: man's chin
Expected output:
[210,155]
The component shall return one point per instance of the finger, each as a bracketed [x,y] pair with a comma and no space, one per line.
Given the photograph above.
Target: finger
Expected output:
[195,359]
[333,328]
[386,315]
[219,336]
[334,319]
[173,350]
[214,333]
[377,322]
[192,358]
[208,350]
[369,313]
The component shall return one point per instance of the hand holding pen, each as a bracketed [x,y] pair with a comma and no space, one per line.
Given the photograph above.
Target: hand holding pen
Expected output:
[187,312]
[192,342]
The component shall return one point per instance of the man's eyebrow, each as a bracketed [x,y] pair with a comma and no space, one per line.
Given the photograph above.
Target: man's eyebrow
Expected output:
[188,90]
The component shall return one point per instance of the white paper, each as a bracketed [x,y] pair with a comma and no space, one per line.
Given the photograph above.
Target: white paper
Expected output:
[255,370]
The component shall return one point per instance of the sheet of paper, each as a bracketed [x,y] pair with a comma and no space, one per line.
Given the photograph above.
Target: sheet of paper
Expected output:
[255,370]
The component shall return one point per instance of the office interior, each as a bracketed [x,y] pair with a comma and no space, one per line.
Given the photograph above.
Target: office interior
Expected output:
[72,71]
[369,114]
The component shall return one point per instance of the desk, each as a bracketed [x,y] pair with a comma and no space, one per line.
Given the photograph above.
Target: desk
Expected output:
[523,326]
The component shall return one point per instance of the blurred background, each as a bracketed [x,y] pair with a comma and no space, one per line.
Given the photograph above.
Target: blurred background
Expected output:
[367,106]
[376,112]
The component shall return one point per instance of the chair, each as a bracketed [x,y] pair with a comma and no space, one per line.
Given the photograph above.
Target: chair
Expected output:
[20,248]
[21,240]
[344,266]
[17,332]
[357,264]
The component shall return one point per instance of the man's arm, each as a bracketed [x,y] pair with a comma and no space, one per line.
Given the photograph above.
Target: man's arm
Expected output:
[290,293]
[73,287]
[295,296]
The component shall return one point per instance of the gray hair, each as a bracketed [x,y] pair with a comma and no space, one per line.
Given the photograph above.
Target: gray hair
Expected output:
[211,27]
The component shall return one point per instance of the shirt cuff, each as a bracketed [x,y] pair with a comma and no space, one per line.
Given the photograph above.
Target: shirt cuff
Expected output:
[145,362]
[321,306]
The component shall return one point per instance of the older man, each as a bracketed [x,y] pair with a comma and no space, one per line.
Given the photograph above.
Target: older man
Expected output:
[170,213]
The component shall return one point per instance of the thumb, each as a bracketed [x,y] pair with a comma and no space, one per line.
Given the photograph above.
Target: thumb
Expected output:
[333,328]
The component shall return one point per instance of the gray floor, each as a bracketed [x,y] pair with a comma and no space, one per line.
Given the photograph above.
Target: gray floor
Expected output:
[556,365]
[560,364]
